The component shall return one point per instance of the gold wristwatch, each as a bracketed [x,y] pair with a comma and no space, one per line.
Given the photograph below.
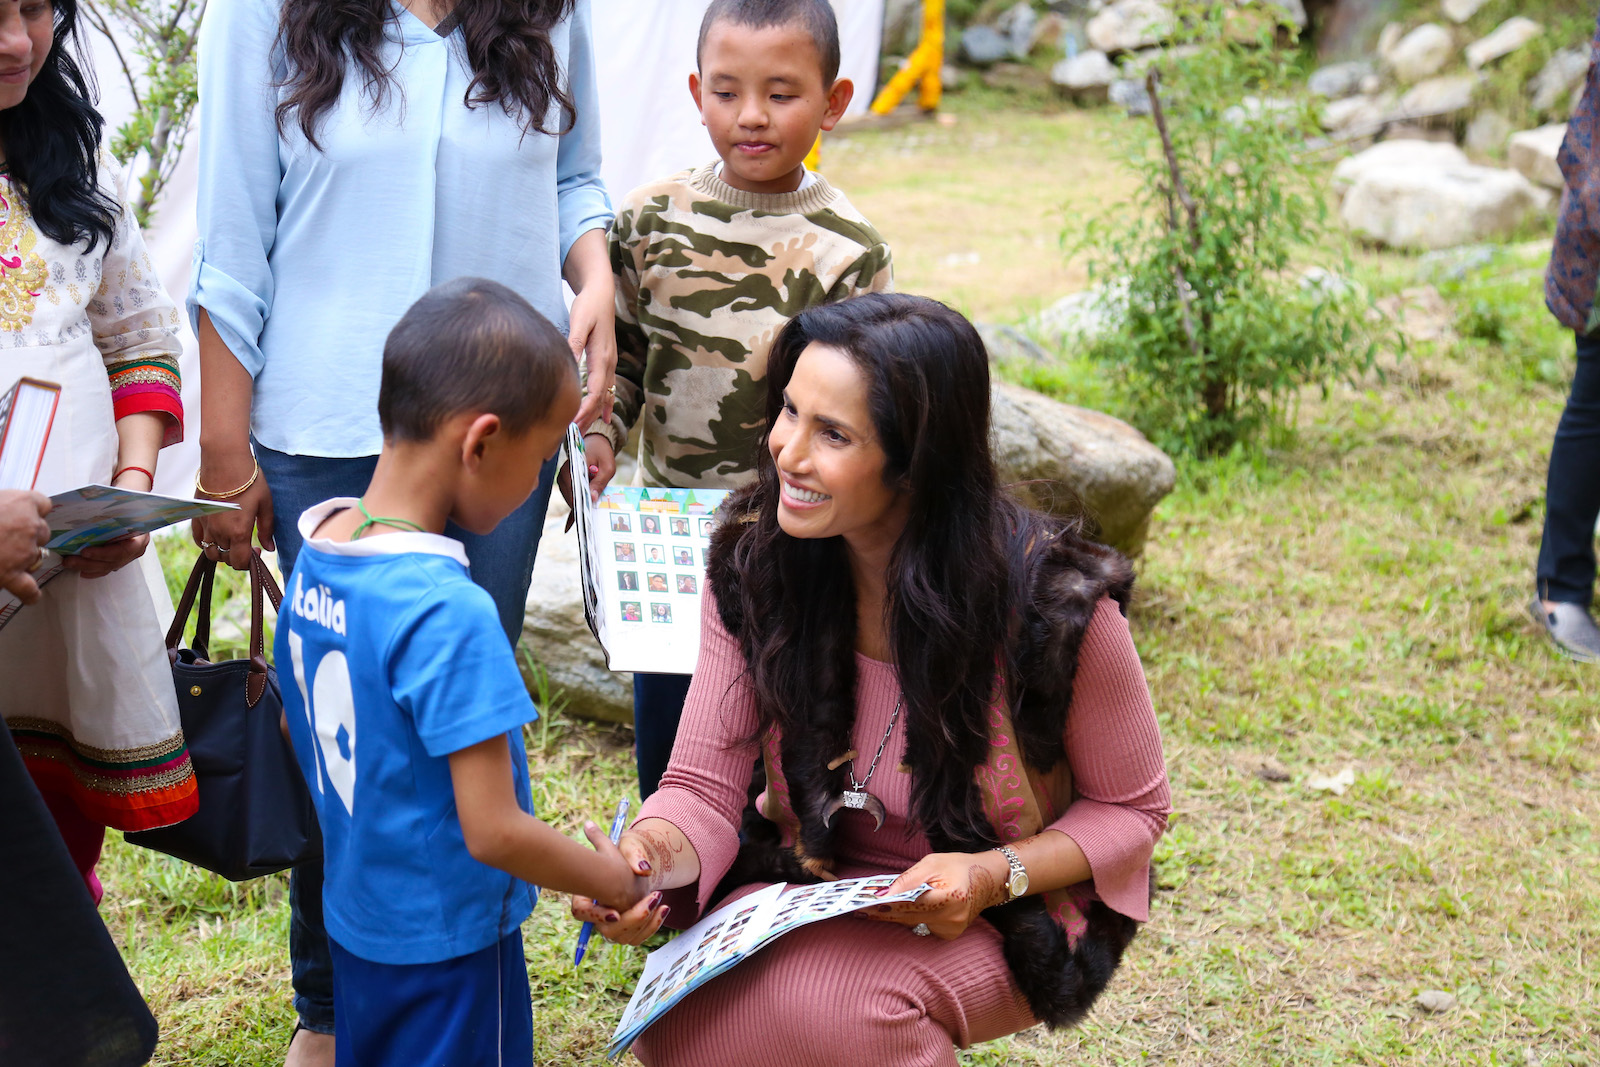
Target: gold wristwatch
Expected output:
[1017,884]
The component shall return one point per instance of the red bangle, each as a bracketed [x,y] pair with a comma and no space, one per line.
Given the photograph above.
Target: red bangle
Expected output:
[141,470]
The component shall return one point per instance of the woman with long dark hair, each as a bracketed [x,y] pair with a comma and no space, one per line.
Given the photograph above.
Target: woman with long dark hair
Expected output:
[352,155]
[937,682]
[89,697]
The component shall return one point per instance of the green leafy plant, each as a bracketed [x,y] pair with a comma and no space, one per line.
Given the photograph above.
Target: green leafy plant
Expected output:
[1216,327]
[161,75]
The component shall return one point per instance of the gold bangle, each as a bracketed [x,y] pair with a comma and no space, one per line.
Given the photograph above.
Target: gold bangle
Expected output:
[201,490]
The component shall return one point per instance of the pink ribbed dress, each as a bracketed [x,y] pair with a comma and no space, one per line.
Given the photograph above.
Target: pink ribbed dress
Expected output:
[853,991]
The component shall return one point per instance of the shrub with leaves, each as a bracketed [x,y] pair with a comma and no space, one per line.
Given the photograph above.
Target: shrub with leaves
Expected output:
[1217,327]
[161,75]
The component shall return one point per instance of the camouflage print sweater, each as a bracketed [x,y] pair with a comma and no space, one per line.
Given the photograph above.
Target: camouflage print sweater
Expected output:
[706,277]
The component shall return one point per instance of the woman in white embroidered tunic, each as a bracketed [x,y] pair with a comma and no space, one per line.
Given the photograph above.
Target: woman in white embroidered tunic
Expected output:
[89,693]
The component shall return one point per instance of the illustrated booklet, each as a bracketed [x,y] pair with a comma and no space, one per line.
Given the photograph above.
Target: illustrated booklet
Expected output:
[27,411]
[735,932]
[643,555]
[95,514]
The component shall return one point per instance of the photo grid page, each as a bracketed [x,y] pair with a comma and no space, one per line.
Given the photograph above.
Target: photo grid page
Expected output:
[735,931]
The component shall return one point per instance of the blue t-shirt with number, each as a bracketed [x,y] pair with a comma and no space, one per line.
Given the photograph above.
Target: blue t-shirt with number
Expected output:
[391,659]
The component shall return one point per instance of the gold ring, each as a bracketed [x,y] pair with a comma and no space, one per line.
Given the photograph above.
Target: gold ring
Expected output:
[612,391]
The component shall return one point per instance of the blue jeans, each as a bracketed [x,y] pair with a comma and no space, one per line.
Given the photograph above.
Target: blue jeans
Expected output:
[501,562]
[1572,494]
[657,707]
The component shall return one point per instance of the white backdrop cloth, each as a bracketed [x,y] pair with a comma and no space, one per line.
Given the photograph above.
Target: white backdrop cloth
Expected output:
[650,128]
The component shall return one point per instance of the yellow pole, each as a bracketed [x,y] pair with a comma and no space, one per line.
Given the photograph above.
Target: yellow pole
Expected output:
[933,44]
[924,67]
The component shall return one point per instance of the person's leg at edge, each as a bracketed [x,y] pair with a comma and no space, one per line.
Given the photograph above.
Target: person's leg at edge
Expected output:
[298,483]
[1566,569]
[657,707]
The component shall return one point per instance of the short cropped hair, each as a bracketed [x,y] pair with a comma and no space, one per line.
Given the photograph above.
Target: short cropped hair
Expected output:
[815,17]
[470,345]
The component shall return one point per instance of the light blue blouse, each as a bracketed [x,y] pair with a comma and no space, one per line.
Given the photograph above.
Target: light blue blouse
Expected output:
[307,258]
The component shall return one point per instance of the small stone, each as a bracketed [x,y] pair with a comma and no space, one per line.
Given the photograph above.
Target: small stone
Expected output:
[1487,133]
[951,77]
[1506,38]
[1128,25]
[1339,80]
[1131,96]
[983,46]
[1049,32]
[1533,153]
[1016,78]
[1437,99]
[1565,70]
[1079,317]
[1459,11]
[1007,344]
[1271,772]
[1388,37]
[1086,77]
[1435,1000]
[1356,113]
[1422,53]
[1017,23]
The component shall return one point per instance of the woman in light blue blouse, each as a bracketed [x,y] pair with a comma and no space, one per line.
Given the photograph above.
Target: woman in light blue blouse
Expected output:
[353,155]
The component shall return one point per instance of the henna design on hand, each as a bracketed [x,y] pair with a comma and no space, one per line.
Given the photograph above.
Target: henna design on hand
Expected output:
[658,846]
[986,890]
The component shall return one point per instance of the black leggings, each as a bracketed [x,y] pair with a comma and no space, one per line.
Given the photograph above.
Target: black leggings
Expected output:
[1572,496]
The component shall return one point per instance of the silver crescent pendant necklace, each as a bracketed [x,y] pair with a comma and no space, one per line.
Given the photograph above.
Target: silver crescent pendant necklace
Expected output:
[856,797]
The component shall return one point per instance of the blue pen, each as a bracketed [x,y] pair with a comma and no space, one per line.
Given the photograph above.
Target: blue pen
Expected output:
[587,929]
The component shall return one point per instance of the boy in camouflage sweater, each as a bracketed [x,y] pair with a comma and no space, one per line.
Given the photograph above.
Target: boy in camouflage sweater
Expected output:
[712,262]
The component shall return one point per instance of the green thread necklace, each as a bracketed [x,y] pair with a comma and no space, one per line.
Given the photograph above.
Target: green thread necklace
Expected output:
[379,520]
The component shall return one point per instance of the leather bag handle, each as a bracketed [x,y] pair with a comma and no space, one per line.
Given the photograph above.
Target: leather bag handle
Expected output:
[199,585]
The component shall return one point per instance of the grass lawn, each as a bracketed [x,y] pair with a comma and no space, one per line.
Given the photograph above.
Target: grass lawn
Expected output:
[1352,597]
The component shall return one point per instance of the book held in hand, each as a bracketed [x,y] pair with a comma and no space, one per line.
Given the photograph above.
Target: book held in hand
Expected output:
[643,555]
[27,411]
[735,932]
[96,514]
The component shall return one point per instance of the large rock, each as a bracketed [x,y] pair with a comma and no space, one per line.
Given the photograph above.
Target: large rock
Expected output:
[1397,155]
[555,630]
[1111,468]
[1555,82]
[1533,153]
[984,45]
[1128,25]
[1436,100]
[1339,80]
[1422,53]
[1420,208]
[1459,11]
[1016,78]
[1506,38]
[1008,344]
[1086,77]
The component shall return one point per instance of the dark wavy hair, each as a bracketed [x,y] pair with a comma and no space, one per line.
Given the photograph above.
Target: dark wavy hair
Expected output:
[965,558]
[52,144]
[507,41]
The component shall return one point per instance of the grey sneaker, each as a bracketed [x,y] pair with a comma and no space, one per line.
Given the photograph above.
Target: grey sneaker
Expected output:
[1570,627]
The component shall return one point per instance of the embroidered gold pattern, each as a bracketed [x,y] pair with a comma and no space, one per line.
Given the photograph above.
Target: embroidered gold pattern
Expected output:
[22,270]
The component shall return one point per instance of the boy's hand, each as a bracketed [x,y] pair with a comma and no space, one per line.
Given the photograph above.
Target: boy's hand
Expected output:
[628,884]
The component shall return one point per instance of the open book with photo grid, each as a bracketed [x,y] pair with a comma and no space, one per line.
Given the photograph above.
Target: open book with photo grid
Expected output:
[733,933]
[643,554]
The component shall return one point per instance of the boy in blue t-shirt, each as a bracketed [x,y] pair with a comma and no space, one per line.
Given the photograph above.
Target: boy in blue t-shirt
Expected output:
[406,707]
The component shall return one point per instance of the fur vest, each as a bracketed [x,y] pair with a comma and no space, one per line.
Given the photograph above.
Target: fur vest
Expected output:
[1061,947]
